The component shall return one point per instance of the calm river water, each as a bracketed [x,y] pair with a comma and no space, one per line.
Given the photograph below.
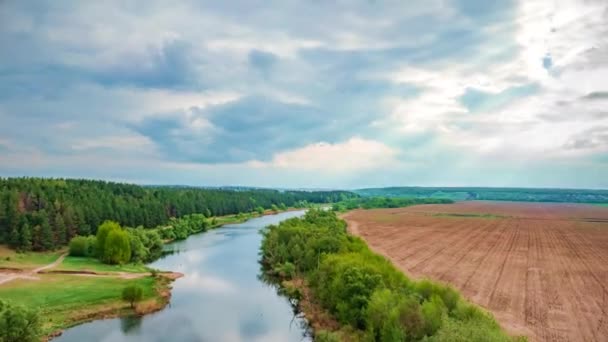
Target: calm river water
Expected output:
[220,298]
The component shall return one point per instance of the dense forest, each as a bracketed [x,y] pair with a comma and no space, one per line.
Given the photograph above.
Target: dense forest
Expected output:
[491,194]
[43,214]
[313,257]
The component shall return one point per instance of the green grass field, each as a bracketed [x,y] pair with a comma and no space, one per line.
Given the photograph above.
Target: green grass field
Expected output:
[71,263]
[59,298]
[12,259]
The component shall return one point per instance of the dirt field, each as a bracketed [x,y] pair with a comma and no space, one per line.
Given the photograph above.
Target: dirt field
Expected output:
[541,269]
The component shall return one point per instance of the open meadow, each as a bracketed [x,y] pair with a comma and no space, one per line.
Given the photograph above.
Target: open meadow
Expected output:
[540,268]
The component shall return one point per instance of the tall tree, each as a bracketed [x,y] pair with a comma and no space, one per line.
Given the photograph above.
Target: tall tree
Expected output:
[46,234]
[61,233]
[26,236]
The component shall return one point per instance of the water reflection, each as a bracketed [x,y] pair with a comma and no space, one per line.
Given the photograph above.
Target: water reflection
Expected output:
[220,298]
[130,324]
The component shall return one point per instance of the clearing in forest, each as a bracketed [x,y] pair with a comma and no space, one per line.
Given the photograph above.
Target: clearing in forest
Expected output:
[540,268]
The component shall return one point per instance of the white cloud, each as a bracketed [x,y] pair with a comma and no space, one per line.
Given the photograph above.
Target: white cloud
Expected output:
[356,154]
[536,126]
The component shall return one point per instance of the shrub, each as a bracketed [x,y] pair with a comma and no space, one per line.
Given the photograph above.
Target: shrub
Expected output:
[18,324]
[83,246]
[433,312]
[326,336]
[78,246]
[382,317]
[102,233]
[132,294]
[117,247]
[91,246]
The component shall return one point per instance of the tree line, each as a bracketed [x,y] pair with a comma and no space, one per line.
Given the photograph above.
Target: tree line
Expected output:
[43,214]
[364,292]
[384,202]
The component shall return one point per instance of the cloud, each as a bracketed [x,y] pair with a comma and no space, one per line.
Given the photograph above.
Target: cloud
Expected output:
[353,155]
[210,91]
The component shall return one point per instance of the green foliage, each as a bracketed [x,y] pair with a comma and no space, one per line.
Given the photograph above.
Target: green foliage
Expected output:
[364,290]
[384,202]
[326,336]
[493,194]
[102,233]
[117,248]
[132,294]
[18,324]
[58,209]
[433,312]
[260,210]
[146,245]
[79,246]
[383,317]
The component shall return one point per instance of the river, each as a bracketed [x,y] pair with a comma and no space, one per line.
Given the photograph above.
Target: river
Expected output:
[220,298]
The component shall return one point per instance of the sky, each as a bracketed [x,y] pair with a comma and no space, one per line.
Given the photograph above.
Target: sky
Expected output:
[307,94]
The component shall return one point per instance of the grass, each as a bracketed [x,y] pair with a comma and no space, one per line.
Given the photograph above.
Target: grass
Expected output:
[71,263]
[12,259]
[61,298]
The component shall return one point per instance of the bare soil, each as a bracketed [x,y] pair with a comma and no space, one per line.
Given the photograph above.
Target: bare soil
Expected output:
[541,269]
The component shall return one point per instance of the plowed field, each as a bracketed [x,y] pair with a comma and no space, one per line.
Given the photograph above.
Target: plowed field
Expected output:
[541,269]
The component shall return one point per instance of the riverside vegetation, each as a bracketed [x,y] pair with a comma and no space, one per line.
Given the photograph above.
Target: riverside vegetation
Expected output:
[39,217]
[350,293]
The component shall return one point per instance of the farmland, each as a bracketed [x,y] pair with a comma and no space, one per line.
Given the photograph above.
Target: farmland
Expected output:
[540,268]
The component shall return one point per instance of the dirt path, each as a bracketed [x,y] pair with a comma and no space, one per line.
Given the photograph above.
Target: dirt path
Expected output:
[30,275]
[541,269]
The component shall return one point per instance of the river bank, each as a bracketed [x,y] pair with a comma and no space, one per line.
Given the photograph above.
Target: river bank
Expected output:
[69,291]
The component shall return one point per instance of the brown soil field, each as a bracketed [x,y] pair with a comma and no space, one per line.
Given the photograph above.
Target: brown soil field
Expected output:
[540,268]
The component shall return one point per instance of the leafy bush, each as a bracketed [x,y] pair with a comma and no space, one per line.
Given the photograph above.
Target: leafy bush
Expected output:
[102,233]
[78,246]
[326,336]
[83,246]
[18,324]
[117,248]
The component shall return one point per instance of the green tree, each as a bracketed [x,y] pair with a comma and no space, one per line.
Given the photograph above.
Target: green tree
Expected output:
[117,248]
[102,233]
[60,230]
[133,294]
[18,324]
[78,246]
[260,210]
[46,234]
[26,236]
[11,215]
[14,239]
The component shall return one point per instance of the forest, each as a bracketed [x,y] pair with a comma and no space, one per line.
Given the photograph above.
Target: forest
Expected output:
[384,202]
[491,194]
[369,298]
[43,214]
